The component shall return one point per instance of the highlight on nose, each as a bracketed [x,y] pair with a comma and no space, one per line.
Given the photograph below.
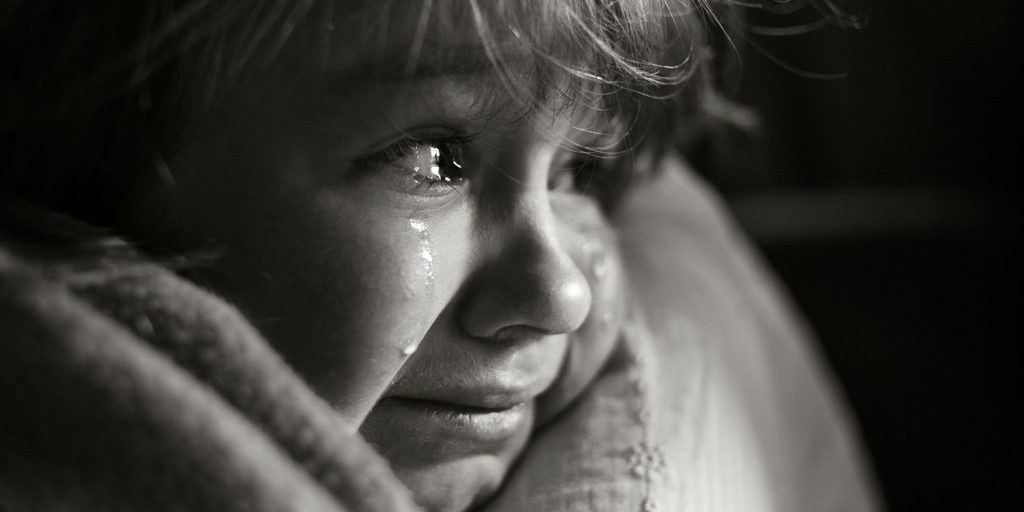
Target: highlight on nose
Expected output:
[537,287]
[568,303]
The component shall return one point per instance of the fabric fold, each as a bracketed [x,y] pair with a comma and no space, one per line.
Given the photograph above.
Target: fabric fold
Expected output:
[126,388]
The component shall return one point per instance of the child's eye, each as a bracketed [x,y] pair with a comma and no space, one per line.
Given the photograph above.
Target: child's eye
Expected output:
[430,162]
[601,177]
[433,161]
[581,174]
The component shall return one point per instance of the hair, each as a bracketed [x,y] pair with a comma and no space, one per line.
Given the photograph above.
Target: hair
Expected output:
[99,92]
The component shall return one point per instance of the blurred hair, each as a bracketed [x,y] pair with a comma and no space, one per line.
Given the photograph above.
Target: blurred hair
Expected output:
[98,92]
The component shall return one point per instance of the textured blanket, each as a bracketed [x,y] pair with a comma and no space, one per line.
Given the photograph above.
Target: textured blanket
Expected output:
[125,387]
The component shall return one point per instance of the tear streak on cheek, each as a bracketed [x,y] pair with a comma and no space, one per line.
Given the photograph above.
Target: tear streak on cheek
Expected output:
[425,254]
[596,254]
[390,310]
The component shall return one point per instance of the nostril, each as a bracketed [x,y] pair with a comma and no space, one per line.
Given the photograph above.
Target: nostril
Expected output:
[519,333]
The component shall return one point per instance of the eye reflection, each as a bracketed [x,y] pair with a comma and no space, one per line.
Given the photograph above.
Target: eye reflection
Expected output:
[434,161]
[431,162]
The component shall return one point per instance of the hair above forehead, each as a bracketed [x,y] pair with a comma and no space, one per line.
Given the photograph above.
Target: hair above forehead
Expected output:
[563,55]
[641,46]
[86,54]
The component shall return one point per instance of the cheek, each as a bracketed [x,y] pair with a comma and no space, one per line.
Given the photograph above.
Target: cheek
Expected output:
[343,303]
[598,257]
[602,264]
[339,284]
[593,246]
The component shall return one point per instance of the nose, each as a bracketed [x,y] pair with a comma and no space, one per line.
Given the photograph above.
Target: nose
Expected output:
[530,285]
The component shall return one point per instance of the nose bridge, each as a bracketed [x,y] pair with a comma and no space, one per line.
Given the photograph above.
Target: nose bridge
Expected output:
[530,279]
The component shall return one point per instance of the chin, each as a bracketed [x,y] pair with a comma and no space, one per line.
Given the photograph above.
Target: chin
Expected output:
[456,485]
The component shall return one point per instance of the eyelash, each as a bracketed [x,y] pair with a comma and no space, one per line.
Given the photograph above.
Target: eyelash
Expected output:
[448,148]
[600,177]
[589,174]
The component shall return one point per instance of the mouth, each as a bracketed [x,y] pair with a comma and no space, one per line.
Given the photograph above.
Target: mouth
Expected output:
[447,421]
[464,408]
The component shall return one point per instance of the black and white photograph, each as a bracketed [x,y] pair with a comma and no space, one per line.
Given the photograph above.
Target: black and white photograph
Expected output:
[510,255]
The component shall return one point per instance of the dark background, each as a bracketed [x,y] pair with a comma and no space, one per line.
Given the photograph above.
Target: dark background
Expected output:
[889,202]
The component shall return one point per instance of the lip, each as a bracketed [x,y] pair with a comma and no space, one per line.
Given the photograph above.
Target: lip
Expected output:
[481,396]
[447,421]
[497,389]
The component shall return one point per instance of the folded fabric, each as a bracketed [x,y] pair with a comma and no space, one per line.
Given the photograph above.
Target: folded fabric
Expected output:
[124,387]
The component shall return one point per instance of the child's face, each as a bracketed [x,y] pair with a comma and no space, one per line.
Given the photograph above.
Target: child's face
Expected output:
[429,266]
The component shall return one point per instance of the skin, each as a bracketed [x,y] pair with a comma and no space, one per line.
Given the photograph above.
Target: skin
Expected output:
[502,285]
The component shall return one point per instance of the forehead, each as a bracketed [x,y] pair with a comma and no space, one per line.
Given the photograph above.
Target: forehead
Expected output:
[405,43]
[401,39]
[402,48]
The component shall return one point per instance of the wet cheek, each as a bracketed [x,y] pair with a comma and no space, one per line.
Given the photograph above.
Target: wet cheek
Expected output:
[594,249]
[593,246]
[419,285]
[601,263]
[598,258]
[360,302]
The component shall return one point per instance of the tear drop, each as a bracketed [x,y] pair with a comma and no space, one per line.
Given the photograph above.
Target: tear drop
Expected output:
[426,251]
[599,265]
[410,348]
